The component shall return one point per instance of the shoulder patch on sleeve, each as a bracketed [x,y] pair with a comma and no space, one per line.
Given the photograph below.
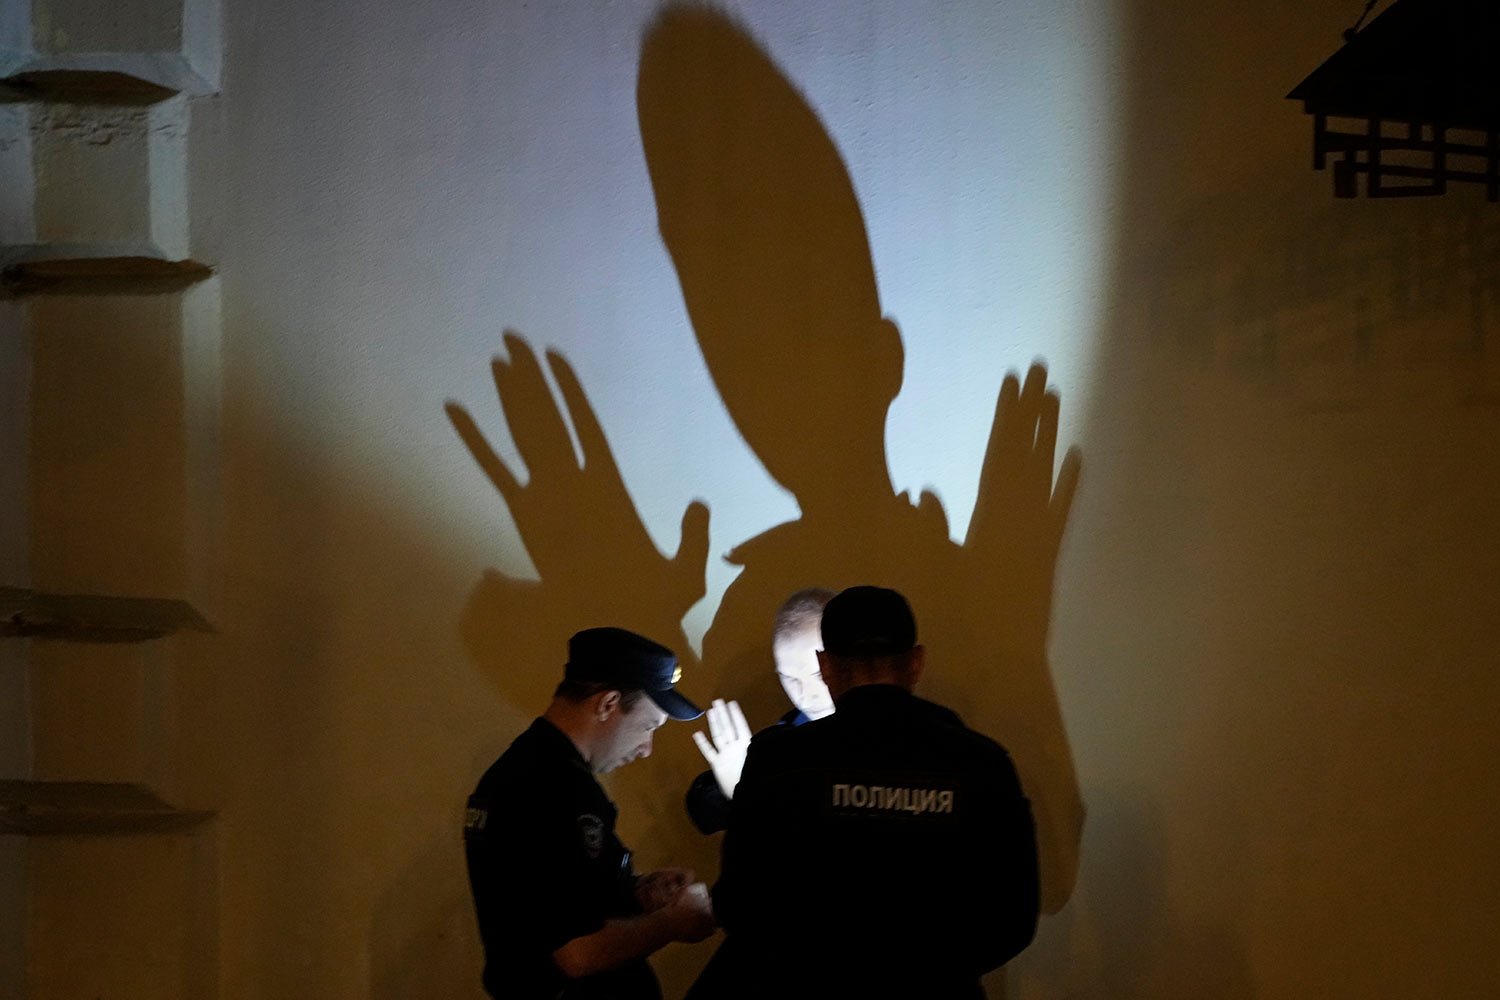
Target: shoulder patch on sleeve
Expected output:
[591,834]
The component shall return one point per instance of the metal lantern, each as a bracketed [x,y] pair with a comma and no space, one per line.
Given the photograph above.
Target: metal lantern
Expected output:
[1411,102]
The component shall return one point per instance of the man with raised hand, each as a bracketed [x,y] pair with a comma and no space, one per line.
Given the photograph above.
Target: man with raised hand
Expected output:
[914,828]
[795,642]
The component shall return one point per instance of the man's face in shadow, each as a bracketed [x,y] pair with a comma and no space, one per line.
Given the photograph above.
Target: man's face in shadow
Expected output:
[797,668]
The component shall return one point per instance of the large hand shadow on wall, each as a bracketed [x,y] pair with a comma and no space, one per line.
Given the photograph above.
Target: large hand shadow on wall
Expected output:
[595,562]
[761,220]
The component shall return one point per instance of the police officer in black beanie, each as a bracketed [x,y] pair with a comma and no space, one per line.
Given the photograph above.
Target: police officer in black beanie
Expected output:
[562,913]
[911,829]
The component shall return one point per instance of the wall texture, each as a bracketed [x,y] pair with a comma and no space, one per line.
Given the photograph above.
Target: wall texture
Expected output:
[1268,672]
[15,729]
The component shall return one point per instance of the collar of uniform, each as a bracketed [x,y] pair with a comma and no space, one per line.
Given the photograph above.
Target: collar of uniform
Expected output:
[554,741]
[872,695]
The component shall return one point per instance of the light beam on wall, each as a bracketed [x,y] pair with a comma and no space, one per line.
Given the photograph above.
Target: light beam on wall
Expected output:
[983,196]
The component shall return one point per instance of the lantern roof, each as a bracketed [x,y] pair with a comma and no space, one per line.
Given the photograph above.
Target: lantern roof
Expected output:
[1430,61]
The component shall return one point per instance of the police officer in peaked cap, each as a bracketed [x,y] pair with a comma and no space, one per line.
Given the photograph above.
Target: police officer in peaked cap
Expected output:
[561,911]
[883,851]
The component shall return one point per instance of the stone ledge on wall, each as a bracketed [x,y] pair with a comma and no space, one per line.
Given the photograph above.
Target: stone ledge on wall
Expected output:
[104,77]
[27,614]
[93,180]
[41,808]
[170,44]
[94,269]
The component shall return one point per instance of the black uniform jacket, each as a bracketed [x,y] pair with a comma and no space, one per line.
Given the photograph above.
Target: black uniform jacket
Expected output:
[883,851]
[546,867]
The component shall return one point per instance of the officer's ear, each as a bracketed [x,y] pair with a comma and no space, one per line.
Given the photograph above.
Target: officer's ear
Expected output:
[828,669]
[606,703]
[913,665]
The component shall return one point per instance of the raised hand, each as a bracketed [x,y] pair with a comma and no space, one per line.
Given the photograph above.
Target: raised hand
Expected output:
[730,743]
[1021,511]
[575,518]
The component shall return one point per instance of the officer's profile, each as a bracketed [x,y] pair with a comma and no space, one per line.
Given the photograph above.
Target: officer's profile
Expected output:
[561,911]
[917,826]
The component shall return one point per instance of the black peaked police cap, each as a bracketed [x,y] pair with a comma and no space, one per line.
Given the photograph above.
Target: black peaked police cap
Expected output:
[630,662]
[868,621]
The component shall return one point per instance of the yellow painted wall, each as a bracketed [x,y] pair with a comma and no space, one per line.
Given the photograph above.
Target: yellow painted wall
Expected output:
[1270,647]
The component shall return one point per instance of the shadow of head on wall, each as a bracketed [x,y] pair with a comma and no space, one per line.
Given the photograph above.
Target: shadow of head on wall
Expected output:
[763,227]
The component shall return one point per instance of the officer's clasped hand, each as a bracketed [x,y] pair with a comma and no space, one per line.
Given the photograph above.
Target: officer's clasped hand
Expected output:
[691,914]
[656,889]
